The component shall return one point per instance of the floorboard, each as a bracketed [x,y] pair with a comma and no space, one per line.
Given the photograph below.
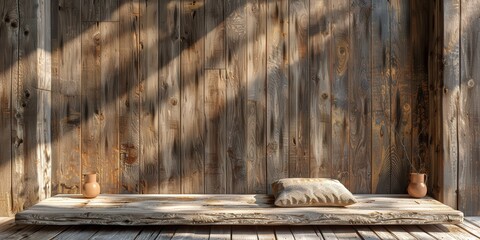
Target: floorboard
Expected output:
[466,230]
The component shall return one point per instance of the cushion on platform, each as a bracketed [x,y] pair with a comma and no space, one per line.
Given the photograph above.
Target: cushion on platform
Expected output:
[311,192]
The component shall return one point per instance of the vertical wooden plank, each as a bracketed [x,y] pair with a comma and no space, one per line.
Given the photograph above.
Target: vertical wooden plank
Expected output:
[277,91]
[25,188]
[448,91]
[359,96]
[321,65]
[420,99]
[8,71]
[216,137]
[256,95]
[215,34]
[236,95]
[215,98]
[340,123]
[469,120]
[149,89]
[192,96]
[99,107]
[169,165]
[129,96]
[380,86]
[299,94]
[44,99]
[401,95]
[435,57]
[66,90]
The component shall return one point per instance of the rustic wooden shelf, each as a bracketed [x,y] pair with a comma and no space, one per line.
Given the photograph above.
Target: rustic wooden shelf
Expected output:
[208,209]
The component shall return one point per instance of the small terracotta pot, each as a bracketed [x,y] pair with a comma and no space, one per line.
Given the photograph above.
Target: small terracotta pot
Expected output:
[417,187]
[90,188]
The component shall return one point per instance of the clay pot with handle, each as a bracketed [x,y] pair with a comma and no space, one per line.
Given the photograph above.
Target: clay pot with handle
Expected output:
[417,187]
[90,188]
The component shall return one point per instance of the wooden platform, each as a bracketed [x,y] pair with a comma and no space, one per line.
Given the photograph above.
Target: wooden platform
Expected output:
[232,210]
[469,229]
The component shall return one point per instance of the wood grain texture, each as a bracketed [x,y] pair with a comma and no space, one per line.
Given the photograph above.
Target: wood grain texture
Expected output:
[450,154]
[228,209]
[236,65]
[469,116]
[359,96]
[380,87]
[149,96]
[129,93]
[277,91]
[25,175]
[321,65]
[435,58]
[216,137]
[256,14]
[105,10]
[100,124]
[400,96]
[8,70]
[215,34]
[340,122]
[169,97]
[44,100]
[419,38]
[298,89]
[66,96]
[192,77]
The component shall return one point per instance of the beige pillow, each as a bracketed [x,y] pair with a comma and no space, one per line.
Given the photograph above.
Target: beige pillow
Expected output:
[310,192]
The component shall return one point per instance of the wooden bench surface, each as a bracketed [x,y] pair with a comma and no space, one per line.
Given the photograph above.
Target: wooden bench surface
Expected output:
[212,209]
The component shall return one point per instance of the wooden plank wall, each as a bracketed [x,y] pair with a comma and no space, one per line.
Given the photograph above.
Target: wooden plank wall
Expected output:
[212,96]
[454,109]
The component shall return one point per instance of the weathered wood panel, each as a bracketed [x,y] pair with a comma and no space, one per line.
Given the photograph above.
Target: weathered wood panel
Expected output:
[380,87]
[449,155]
[320,66]
[100,125]
[192,78]
[44,100]
[104,10]
[256,12]
[215,98]
[8,71]
[400,96]
[223,97]
[169,96]
[232,209]
[128,95]
[340,75]
[215,34]
[236,66]
[298,89]
[469,117]
[25,177]
[359,96]
[277,91]
[216,137]
[149,92]
[66,91]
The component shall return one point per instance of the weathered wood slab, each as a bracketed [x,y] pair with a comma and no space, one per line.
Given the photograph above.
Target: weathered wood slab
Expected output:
[209,209]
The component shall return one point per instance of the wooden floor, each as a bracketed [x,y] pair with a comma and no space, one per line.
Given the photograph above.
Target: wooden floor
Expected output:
[470,229]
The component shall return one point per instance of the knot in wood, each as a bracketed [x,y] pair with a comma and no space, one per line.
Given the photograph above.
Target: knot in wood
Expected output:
[173,101]
[471,83]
